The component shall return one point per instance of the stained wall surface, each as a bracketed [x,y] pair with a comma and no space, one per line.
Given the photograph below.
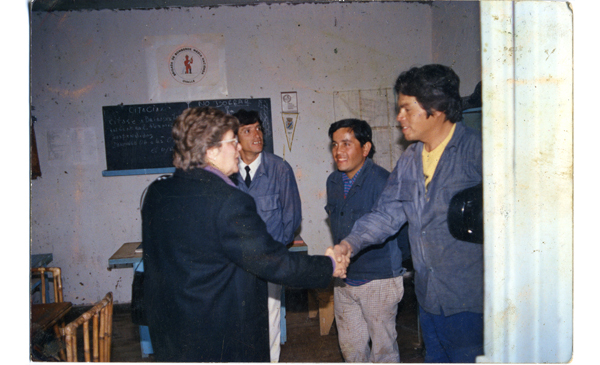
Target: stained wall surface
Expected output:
[83,60]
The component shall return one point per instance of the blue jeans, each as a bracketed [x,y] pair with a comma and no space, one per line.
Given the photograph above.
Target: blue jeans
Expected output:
[455,338]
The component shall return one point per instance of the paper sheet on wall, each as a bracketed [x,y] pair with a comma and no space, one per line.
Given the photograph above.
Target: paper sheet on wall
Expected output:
[72,146]
[378,108]
[186,67]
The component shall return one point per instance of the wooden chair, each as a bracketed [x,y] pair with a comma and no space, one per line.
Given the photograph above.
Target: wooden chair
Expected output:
[101,316]
[56,280]
[58,293]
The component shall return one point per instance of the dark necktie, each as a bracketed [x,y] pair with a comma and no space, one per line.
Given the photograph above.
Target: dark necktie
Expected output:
[248,180]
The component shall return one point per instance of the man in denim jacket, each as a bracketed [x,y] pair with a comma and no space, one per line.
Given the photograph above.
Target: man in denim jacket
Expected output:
[366,302]
[271,182]
[445,160]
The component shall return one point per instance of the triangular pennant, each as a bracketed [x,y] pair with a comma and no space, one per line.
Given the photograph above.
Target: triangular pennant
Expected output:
[289,123]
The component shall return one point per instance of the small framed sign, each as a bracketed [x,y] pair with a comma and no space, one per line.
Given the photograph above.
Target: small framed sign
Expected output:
[289,102]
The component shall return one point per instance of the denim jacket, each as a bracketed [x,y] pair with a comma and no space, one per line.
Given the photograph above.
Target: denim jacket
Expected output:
[381,261]
[276,195]
[448,272]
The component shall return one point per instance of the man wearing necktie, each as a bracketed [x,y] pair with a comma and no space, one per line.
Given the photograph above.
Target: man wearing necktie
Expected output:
[271,182]
[248,179]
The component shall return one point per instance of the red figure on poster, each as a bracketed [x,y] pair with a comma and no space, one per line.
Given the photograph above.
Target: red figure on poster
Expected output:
[188,64]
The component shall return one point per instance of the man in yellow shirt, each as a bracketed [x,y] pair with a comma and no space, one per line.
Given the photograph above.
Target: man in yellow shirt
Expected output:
[445,160]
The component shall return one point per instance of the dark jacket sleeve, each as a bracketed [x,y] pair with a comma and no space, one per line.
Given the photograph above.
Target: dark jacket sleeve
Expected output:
[246,242]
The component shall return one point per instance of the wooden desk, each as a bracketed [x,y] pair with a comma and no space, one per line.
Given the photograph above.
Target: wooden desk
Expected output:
[44,316]
[125,256]
[298,245]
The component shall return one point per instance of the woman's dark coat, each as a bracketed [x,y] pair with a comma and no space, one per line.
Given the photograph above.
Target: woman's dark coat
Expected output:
[207,260]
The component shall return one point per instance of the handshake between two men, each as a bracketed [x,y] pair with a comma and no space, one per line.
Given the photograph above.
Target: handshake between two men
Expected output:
[340,253]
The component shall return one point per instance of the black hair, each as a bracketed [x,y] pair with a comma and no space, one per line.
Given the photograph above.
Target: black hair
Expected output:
[436,87]
[247,117]
[360,128]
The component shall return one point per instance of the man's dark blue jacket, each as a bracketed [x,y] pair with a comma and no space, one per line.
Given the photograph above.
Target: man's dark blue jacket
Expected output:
[380,261]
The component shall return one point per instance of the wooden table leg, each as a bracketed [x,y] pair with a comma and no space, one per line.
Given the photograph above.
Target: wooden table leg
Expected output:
[323,300]
[313,304]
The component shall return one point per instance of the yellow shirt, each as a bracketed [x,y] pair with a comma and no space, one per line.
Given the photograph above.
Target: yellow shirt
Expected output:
[431,159]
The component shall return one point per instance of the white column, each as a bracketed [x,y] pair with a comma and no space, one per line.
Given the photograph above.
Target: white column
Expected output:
[527,80]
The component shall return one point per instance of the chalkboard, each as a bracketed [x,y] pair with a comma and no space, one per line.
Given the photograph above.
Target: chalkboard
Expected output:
[137,138]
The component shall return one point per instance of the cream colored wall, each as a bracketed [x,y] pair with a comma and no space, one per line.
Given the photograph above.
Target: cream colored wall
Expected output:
[86,59]
[456,40]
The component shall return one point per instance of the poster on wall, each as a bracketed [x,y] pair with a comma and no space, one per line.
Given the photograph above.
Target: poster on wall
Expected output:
[377,107]
[186,67]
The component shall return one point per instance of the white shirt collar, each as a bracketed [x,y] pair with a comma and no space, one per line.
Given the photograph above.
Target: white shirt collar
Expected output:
[253,166]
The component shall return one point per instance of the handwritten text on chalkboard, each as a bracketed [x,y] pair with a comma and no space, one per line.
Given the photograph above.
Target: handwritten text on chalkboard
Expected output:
[138,137]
